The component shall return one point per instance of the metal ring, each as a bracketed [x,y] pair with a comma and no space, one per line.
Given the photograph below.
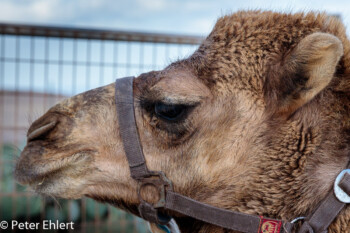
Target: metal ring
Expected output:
[297,219]
[160,182]
[339,193]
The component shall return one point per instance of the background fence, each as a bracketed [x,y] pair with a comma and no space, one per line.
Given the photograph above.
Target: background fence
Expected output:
[41,65]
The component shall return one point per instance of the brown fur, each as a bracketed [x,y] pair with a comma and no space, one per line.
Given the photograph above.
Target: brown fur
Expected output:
[267,133]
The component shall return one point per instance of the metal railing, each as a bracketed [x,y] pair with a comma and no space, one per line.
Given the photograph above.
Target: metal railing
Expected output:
[97,34]
[40,65]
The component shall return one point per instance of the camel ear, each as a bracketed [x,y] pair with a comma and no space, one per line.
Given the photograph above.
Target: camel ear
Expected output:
[307,70]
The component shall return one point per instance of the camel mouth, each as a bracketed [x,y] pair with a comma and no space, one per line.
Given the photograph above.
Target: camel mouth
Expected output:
[38,173]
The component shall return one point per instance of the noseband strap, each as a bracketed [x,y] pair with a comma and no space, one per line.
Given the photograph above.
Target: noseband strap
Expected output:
[169,200]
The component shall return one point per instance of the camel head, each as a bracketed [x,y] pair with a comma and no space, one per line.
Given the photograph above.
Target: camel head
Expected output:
[256,120]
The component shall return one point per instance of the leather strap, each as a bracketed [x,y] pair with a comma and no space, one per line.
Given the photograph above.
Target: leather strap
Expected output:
[324,215]
[221,217]
[327,211]
[345,183]
[147,211]
[124,100]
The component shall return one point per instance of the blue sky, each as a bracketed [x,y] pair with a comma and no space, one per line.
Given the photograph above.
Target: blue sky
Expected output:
[175,16]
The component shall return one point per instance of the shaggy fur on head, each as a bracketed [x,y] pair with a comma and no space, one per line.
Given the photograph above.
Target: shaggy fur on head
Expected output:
[265,127]
[246,44]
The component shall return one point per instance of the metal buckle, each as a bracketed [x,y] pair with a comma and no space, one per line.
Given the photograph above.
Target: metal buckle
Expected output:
[339,193]
[160,182]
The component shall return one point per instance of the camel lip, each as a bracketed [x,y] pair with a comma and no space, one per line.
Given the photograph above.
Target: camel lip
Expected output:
[31,179]
[39,173]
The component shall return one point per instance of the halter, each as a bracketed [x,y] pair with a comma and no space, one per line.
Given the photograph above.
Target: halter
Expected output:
[317,222]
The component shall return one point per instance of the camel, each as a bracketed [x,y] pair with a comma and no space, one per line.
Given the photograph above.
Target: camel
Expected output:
[256,120]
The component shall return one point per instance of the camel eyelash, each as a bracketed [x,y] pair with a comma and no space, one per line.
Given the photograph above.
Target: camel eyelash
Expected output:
[167,112]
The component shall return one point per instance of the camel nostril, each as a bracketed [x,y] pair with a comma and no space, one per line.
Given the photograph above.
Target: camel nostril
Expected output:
[41,131]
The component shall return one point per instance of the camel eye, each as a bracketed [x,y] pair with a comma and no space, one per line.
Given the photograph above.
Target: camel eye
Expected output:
[170,112]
